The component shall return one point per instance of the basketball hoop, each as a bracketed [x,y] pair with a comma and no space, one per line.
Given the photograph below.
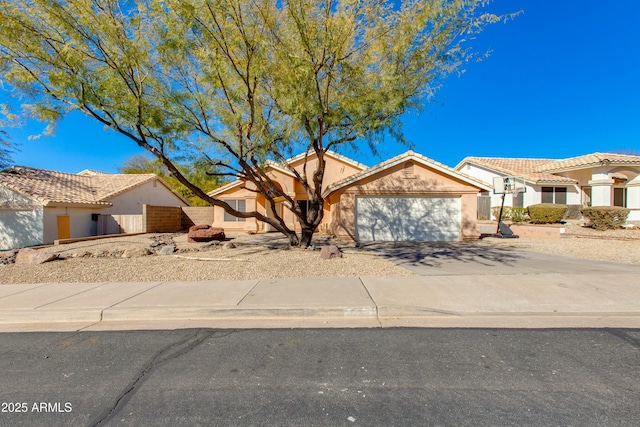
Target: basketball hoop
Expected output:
[507,185]
[517,190]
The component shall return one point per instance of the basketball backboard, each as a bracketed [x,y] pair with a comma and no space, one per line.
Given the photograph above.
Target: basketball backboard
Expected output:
[509,184]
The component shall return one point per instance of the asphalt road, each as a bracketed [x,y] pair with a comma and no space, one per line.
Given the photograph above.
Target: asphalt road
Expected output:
[372,377]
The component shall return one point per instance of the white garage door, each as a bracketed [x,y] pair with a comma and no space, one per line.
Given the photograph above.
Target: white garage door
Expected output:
[418,219]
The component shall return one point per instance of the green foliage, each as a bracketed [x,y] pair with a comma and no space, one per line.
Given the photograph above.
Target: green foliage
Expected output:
[509,213]
[5,146]
[238,82]
[546,213]
[519,214]
[506,212]
[196,173]
[605,217]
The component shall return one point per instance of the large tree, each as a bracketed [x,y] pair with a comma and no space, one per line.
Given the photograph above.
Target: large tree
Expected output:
[196,172]
[5,152]
[238,82]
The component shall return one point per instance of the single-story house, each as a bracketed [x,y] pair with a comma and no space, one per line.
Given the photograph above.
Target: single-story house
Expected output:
[598,179]
[407,198]
[39,206]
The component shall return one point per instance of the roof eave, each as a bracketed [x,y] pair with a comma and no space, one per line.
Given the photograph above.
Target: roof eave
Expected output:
[410,155]
[90,205]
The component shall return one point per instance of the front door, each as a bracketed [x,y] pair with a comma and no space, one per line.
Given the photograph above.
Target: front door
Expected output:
[64,227]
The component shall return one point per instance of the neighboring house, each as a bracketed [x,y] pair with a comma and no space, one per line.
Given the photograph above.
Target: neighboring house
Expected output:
[598,179]
[407,198]
[39,206]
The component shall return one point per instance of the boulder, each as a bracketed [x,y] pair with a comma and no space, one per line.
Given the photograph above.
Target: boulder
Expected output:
[205,233]
[33,256]
[330,251]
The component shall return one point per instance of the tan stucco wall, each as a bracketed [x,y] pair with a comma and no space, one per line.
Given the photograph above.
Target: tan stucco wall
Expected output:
[150,193]
[396,181]
[335,170]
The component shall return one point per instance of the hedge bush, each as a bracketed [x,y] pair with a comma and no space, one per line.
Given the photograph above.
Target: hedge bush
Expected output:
[546,213]
[605,217]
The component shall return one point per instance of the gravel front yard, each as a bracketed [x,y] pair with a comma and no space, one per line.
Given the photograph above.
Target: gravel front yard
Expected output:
[265,257]
[255,257]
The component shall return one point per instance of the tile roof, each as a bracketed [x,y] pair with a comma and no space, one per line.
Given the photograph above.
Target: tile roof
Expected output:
[87,188]
[590,160]
[531,169]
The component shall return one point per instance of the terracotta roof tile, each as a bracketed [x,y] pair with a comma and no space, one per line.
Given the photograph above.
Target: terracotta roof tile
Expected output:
[89,187]
[531,169]
[595,159]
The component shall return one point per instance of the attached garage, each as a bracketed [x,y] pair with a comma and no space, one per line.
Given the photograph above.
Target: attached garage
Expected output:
[421,219]
[407,198]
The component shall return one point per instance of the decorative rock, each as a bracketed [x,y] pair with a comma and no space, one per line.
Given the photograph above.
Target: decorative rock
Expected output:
[33,256]
[8,257]
[82,254]
[228,245]
[330,251]
[136,252]
[205,233]
[166,250]
[101,254]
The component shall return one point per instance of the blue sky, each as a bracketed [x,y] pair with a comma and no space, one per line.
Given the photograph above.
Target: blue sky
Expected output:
[563,79]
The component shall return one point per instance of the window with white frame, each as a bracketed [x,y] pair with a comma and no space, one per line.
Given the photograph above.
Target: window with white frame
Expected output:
[556,195]
[240,206]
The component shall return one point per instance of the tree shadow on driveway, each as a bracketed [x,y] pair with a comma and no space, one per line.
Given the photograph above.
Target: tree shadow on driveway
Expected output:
[449,257]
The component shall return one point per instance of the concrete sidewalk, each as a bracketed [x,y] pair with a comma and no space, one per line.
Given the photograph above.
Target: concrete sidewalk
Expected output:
[502,301]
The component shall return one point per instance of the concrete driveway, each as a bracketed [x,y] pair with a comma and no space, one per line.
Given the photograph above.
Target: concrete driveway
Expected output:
[465,258]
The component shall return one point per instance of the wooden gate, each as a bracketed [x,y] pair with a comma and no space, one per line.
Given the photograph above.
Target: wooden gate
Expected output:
[484,207]
[118,224]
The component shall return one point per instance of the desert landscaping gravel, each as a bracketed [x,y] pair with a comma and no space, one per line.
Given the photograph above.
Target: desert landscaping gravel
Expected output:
[253,258]
[268,256]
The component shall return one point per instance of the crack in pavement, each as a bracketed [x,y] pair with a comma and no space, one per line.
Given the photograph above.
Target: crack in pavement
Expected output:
[166,354]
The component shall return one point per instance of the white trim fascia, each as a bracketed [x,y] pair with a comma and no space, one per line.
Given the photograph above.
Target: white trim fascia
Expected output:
[225,187]
[276,166]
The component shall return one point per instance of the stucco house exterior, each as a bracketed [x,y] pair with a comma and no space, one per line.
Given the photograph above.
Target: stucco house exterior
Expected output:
[597,179]
[39,206]
[407,198]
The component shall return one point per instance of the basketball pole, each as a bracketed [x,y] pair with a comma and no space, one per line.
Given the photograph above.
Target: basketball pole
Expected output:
[500,216]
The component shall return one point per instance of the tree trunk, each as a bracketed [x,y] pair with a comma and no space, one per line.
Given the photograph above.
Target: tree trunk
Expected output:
[294,240]
[306,237]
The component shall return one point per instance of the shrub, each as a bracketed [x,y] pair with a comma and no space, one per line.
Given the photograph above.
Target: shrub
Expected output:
[546,213]
[506,212]
[605,217]
[519,214]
